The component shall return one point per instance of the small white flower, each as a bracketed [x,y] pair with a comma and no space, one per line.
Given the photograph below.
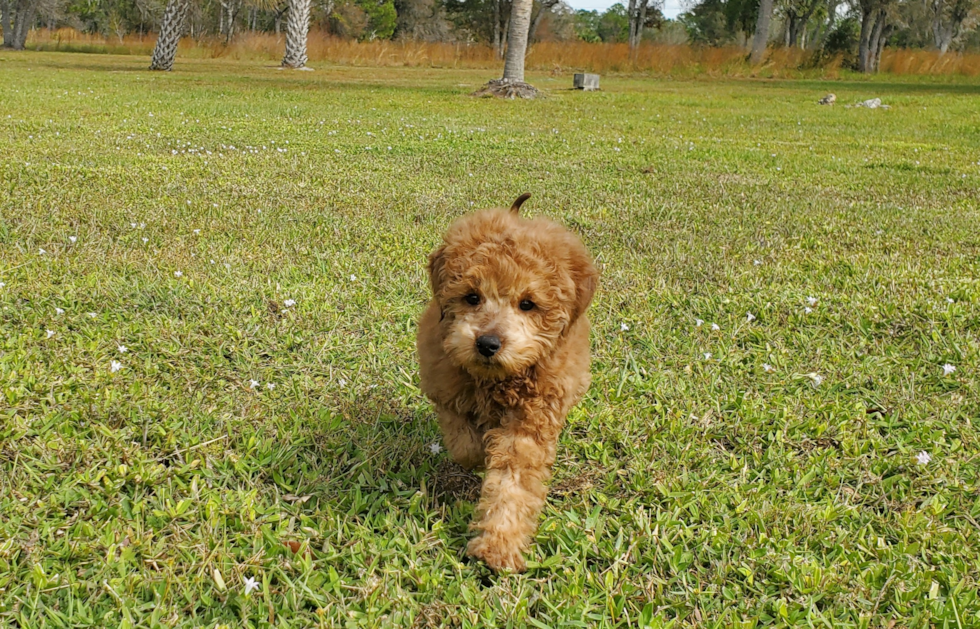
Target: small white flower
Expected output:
[698,323]
[2,284]
[145,240]
[50,333]
[73,238]
[133,225]
[766,367]
[715,327]
[270,386]
[623,327]
[252,384]
[92,315]
[122,349]
[59,311]
[178,274]
[250,584]
[707,355]
[289,303]
[435,448]
[750,317]
[949,300]
[197,232]
[342,383]
[923,458]
[757,262]
[41,252]
[948,369]
[812,301]
[817,379]
[115,366]
[353,278]
[807,310]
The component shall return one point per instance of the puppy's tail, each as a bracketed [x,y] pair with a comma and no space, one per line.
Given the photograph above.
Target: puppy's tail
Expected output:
[518,202]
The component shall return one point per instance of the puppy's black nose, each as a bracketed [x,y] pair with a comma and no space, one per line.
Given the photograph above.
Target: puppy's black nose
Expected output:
[488,344]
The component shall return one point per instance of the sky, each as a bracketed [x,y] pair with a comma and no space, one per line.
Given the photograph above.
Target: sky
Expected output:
[672,8]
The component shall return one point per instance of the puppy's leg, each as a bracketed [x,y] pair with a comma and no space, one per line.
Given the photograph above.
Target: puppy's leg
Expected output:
[461,439]
[518,466]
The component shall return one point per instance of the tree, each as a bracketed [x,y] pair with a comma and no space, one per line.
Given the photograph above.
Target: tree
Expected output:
[228,10]
[7,22]
[297,29]
[761,37]
[720,22]
[948,19]
[16,18]
[520,24]
[875,30]
[642,14]
[421,20]
[171,29]
[546,6]
[798,14]
[829,14]
[614,25]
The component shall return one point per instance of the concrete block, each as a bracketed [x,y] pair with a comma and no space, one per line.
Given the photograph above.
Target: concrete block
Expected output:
[587,82]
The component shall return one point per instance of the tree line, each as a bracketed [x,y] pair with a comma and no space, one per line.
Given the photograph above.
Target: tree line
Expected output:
[856,29]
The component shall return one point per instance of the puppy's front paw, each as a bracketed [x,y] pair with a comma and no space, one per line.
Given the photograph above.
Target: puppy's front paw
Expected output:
[498,553]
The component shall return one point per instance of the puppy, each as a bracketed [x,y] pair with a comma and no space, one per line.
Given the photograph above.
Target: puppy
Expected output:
[504,354]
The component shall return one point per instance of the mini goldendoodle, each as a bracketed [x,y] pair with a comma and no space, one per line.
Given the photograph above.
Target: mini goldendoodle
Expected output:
[504,354]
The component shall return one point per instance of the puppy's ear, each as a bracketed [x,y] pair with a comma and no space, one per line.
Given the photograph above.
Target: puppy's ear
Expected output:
[585,276]
[518,202]
[586,283]
[437,269]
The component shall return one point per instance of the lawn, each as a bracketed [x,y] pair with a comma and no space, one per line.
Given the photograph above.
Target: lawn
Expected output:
[210,287]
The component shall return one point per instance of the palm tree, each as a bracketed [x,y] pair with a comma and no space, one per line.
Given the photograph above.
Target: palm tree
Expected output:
[520,24]
[512,84]
[171,28]
[297,29]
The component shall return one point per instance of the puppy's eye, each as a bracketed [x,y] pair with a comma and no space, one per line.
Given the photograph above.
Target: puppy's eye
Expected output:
[472,299]
[526,305]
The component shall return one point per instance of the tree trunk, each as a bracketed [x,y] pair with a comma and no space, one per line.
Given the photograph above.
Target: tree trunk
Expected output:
[229,13]
[24,12]
[631,20]
[637,17]
[297,29]
[520,23]
[761,37]
[498,49]
[171,28]
[7,22]
[824,28]
[23,23]
[944,33]
[864,42]
[886,32]
[504,33]
[873,44]
[546,6]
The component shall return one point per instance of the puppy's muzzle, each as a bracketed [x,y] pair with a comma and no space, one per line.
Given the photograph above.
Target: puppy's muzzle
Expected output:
[488,344]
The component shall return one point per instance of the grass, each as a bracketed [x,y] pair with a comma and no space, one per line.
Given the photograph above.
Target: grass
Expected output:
[681,61]
[690,491]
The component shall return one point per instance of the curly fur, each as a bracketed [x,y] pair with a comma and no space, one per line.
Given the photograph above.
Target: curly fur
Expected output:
[504,413]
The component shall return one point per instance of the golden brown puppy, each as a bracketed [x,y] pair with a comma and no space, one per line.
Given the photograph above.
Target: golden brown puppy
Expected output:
[504,355]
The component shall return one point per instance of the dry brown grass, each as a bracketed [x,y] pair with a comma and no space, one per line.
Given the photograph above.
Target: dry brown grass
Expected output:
[557,57]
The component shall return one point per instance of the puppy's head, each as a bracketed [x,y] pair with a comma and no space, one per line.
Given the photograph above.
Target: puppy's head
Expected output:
[508,289]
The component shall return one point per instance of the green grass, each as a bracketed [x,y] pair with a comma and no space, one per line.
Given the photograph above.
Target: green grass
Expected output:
[689,492]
